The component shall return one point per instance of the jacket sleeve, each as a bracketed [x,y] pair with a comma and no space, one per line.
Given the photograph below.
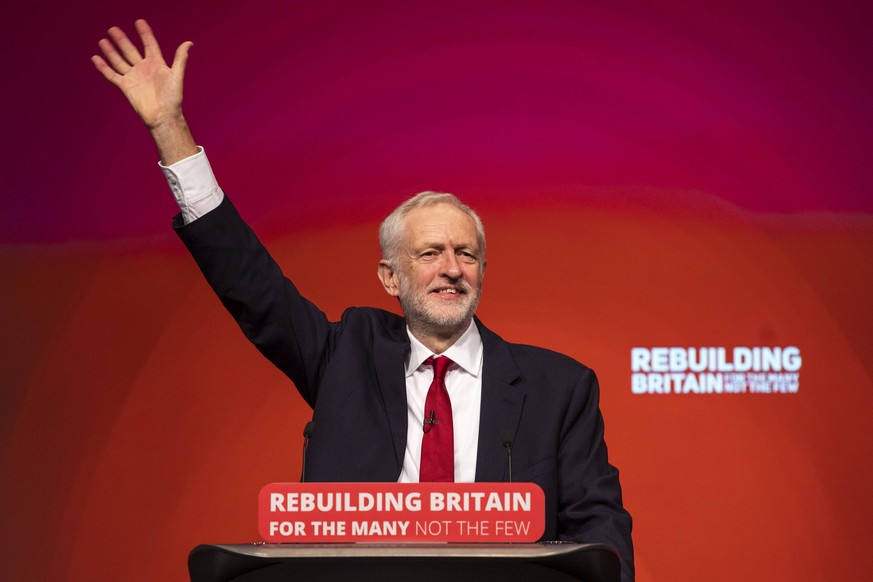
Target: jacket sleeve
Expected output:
[285,327]
[590,505]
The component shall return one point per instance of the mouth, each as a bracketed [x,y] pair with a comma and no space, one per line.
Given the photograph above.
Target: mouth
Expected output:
[448,290]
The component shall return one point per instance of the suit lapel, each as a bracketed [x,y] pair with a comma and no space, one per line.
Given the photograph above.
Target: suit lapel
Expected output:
[502,403]
[390,360]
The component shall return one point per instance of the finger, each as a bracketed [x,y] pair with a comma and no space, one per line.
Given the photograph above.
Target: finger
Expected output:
[128,51]
[149,42]
[180,60]
[107,72]
[118,63]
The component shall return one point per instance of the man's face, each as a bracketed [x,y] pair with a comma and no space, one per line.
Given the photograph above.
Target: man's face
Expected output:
[439,269]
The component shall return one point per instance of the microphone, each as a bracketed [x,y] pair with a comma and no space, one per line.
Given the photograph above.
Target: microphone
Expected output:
[307,432]
[506,441]
[429,422]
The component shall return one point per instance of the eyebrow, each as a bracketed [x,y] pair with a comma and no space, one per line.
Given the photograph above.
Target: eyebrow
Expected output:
[441,245]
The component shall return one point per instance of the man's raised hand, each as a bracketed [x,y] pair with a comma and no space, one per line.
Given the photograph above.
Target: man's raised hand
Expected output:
[153,89]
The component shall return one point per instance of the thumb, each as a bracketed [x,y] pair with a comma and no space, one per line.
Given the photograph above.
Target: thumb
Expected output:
[180,60]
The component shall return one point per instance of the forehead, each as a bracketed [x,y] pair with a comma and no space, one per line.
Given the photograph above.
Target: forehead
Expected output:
[437,223]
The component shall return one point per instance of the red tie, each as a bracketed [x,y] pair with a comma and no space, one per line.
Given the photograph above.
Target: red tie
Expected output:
[438,443]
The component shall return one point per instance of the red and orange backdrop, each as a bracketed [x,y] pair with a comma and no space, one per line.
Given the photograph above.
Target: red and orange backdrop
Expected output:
[651,175]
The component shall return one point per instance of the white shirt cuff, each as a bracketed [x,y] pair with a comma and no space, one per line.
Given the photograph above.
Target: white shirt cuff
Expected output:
[194,186]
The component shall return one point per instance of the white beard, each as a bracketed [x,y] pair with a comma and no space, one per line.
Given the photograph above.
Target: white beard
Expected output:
[426,311]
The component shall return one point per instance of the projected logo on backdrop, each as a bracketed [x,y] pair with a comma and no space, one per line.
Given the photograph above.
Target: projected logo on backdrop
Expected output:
[715,370]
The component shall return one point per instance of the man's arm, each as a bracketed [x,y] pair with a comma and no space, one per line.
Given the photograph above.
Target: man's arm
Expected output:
[590,505]
[152,88]
[284,326]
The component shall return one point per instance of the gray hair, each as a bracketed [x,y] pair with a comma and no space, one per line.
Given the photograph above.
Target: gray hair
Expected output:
[391,229]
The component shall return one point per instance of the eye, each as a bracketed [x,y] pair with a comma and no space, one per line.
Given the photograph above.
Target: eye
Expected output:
[466,256]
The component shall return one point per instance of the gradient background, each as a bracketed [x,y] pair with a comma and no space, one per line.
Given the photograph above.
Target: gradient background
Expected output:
[672,173]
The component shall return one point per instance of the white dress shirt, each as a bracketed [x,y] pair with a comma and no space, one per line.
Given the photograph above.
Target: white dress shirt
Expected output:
[194,186]
[197,192]
[464,385]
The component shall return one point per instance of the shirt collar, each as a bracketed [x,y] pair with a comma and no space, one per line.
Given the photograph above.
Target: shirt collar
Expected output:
[466,352]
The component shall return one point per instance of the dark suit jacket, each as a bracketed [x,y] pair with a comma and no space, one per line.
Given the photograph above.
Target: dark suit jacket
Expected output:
[352,373]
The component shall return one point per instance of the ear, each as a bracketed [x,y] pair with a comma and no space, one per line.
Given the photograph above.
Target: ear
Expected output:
[388,277]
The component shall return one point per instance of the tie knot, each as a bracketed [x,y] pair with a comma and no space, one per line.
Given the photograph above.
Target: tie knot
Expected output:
[440,366]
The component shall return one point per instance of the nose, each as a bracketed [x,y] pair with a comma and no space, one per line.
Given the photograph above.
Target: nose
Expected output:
[451,268]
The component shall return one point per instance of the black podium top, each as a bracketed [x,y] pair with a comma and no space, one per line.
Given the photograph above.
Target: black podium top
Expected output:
[546,562]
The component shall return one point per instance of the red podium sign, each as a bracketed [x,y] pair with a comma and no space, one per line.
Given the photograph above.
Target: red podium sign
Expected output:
[401,512]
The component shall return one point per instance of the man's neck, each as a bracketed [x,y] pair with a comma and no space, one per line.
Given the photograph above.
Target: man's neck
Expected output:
[438,341]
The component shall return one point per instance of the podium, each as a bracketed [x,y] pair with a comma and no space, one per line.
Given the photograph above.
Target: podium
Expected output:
[445,562]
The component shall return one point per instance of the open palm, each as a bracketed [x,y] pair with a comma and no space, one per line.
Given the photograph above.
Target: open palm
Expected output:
[152,88]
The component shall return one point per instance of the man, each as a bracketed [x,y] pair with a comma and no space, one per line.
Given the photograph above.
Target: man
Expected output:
[434,395]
